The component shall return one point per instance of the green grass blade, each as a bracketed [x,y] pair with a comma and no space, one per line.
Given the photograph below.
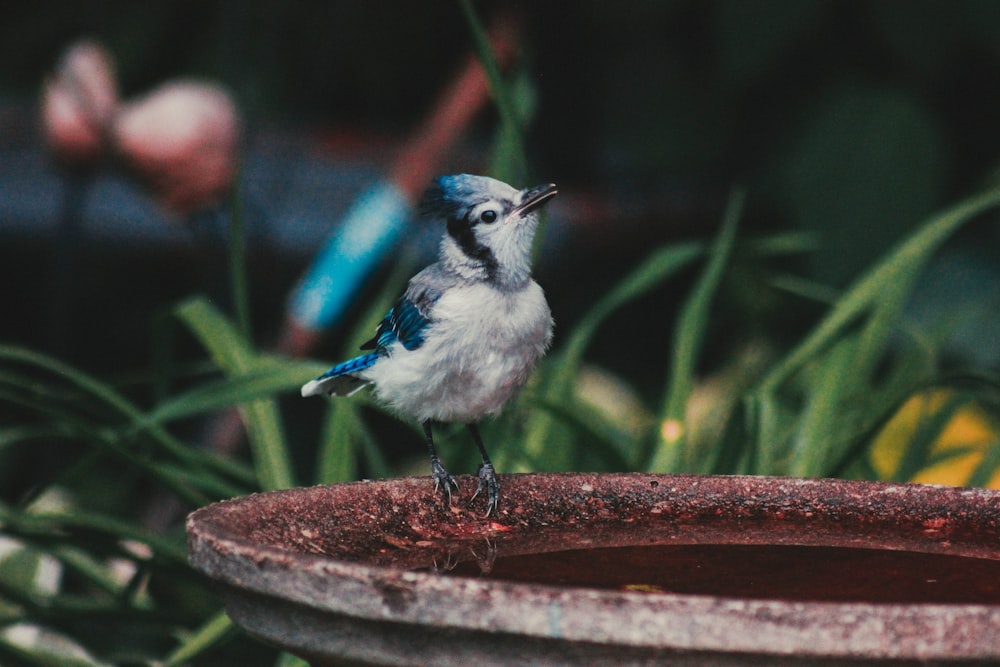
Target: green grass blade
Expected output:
[780,244]
[824,419]
[337,460]
[898,269]
[231,353]
[44,656]
[546,440]
[189,482]
[918,453]
[101,391]
[838,368]
[289,660]
[15,435]
[803,288]
[105,395]
[660,266]
[587,423]
[988,466]
[33,526]
[378,466]
[507,153]
[216,630]
[227,349]
[669,455]
[737,451]
[267,380]
[502,97]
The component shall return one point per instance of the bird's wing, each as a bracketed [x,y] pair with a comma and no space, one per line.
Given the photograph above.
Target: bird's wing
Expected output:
[405,322]
[408,319]
[339,380]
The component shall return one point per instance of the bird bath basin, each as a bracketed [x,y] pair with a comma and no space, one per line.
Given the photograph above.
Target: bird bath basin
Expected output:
[624,569]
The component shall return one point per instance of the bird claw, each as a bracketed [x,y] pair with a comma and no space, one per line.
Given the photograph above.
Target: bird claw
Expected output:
[488,482]
[442,480]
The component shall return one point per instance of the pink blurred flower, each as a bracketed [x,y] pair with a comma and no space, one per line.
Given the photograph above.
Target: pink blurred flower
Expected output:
[79,102]
[181,141]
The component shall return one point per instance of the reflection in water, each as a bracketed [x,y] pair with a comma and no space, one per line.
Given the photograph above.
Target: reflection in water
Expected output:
[784,572]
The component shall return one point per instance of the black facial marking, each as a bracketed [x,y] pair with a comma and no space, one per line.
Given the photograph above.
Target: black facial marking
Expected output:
[461,231]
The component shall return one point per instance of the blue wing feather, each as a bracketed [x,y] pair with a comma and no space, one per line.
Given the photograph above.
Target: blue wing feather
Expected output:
[351,366]
[339,381]
[404,322]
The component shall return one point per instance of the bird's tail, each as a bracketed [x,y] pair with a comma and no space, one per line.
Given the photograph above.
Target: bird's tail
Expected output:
[339,380]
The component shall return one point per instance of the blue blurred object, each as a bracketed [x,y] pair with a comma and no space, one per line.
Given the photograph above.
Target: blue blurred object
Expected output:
[370,229]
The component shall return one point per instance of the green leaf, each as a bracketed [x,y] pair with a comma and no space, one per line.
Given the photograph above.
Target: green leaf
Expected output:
[50,650]
[825,418]
[214,631]
[893,275]
[33,526]
[918,452]
[547,441]
[988,466]
[233,355]
[502,96]
[669,455]
[836,383]
[122,441]
[267,380]
[288,660]
[337,460]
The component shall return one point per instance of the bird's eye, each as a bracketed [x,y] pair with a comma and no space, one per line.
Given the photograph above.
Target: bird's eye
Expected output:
[488,216]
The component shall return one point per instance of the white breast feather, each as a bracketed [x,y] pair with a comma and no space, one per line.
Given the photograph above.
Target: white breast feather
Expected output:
[479,350]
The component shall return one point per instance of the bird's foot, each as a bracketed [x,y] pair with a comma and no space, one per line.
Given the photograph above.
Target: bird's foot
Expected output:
[488,483]
[442,480]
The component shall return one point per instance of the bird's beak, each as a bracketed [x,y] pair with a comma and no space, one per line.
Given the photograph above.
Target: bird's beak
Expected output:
[533,198]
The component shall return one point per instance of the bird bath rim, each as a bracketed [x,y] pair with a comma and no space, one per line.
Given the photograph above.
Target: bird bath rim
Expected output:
[281,554]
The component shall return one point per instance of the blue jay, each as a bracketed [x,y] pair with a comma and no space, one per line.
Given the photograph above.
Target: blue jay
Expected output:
[469,329]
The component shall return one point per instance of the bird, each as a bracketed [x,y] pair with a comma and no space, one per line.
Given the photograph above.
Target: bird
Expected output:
[468,330]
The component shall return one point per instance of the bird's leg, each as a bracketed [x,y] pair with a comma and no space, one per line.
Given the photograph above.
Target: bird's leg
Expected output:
[440,476]
[487,475]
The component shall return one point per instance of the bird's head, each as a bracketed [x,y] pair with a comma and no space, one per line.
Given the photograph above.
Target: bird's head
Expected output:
[490,225]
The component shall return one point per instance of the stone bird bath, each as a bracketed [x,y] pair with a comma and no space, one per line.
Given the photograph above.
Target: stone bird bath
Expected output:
[624,569]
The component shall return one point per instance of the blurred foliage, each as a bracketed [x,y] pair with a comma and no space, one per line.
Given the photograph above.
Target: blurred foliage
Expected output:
[860,395]
[840,116]
[785,95]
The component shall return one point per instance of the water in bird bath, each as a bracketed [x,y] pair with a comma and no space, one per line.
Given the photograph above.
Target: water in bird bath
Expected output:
[779,572]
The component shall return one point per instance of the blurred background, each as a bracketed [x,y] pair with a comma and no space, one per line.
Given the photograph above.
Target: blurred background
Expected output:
[852,120]
[845,123]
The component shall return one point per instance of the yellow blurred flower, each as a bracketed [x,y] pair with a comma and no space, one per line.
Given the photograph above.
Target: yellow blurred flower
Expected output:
[958,449]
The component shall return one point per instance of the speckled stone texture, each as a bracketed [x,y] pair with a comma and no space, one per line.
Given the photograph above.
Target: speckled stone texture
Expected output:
[353,574]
